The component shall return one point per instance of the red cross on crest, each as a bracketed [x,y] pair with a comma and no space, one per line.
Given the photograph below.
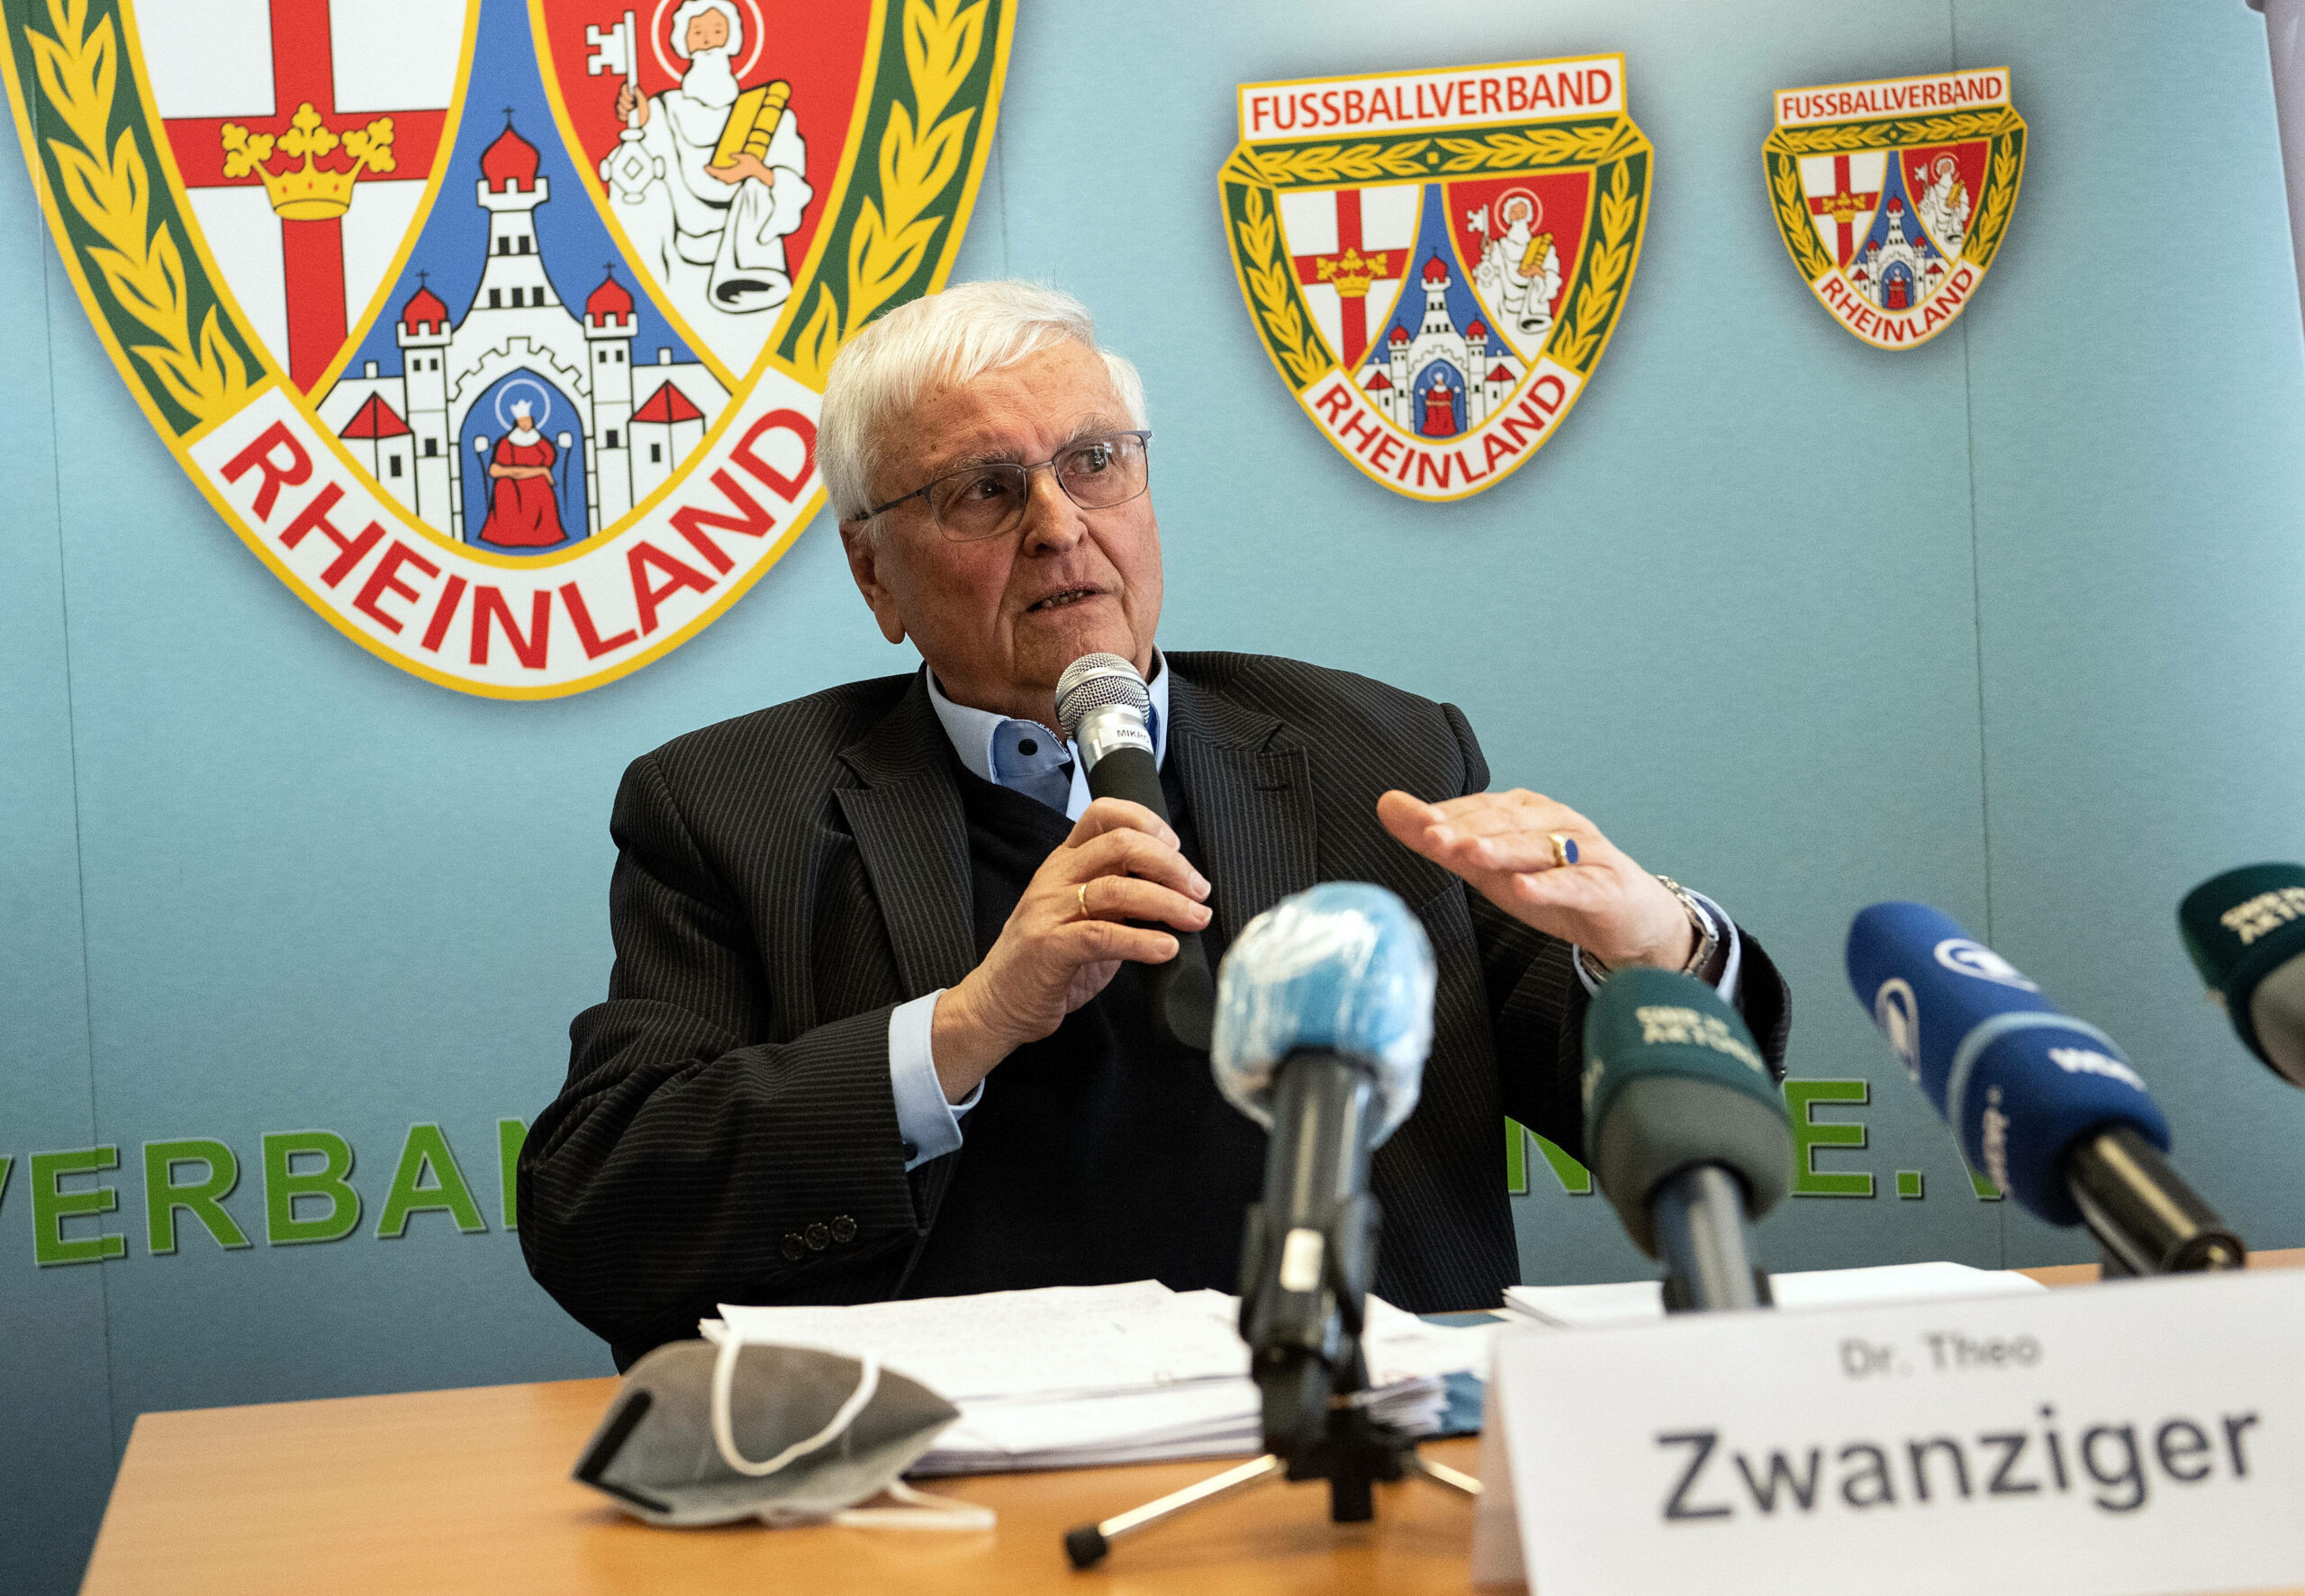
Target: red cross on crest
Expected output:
[1843,207]
[1351,273]
[311,160]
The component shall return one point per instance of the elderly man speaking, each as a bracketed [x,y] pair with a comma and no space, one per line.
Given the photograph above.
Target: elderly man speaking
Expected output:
[878,1025]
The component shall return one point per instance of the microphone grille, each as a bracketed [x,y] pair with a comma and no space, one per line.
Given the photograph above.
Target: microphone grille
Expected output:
[1344,966]
[1096,681]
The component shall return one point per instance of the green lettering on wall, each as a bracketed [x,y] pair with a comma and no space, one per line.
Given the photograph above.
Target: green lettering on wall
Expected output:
[204,1199]
[6,1165]
[427,1149]
[512,1136]
[284,1186]
[1575,1178]
[1811,1135]
[51,1206]
[1985,1190]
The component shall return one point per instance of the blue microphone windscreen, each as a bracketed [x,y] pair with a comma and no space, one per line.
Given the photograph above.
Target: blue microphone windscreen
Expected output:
[1343,967]
[2017,1078]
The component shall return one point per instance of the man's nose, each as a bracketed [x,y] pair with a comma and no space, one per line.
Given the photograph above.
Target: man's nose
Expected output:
[1053,522]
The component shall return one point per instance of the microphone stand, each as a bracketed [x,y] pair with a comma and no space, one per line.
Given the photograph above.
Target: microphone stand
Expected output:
[1706,1243]
[1356,1451]
[1336,1440]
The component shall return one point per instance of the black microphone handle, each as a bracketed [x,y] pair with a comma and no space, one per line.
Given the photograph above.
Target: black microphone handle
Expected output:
[2144,1215]
[1181,991]
[1311,1245]
[1706,1242]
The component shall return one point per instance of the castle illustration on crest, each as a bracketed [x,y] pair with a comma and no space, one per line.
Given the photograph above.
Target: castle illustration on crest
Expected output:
[1440,381]
[1896,270]
[618,430]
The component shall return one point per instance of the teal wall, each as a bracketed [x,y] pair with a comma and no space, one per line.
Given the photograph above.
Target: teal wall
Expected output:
[2001,623]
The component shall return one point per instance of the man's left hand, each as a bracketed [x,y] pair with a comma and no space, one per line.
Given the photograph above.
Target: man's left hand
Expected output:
[1501,844]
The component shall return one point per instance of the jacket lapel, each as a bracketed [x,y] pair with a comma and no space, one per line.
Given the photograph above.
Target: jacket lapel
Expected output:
[1250,790]
[906,816]
[1251,797]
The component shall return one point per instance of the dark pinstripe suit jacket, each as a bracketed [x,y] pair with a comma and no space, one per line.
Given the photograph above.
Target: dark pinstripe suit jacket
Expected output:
[787,878]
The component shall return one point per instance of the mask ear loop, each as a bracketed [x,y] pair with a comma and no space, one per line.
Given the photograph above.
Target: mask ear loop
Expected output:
[919,1511]
[724,1432]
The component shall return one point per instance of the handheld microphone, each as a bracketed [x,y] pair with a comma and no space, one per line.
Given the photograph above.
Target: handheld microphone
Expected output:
[2246,931]
[1324,1019]
[1687,1132]
[2046,1105]
[1103,708]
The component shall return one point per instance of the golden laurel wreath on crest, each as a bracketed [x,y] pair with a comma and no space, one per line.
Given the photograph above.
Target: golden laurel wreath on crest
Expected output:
[109,187]
[1783,149]
[1618,154]
[920,151]
[1264,264]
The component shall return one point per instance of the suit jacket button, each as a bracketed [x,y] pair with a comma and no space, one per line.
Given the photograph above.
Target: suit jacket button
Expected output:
[793,1247]
[819,1237]
[844,1229]
[911,1152]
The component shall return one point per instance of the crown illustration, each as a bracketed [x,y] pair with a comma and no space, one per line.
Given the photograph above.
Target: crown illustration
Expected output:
[309,192]
[1352,272]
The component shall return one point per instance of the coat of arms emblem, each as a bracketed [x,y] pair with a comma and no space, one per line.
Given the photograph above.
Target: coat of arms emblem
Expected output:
[1435,260]
[1894,196]
[497,328]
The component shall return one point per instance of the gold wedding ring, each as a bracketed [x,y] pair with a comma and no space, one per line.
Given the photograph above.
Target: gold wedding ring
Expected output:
[1564,848]
[1083,893]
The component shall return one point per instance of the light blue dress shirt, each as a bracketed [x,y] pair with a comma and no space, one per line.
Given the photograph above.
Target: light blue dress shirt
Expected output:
[1026,757]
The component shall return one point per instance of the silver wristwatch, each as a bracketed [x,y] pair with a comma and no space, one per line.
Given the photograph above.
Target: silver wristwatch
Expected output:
[1707,940]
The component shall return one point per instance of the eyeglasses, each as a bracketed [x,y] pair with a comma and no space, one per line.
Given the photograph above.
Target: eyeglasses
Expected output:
[988,500]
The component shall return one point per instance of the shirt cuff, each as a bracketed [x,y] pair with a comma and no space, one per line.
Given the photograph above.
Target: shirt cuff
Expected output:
[930,1126]
[1724,930]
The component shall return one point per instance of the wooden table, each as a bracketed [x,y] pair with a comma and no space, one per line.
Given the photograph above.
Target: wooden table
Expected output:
[455,1491]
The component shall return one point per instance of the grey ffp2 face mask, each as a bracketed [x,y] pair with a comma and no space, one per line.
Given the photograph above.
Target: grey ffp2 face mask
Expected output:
[700,1434]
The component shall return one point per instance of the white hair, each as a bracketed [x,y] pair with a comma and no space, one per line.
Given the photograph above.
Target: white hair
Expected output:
[693,9]
[949,338]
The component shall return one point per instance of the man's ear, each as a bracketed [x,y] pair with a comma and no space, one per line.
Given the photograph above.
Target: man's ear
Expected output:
[864,564]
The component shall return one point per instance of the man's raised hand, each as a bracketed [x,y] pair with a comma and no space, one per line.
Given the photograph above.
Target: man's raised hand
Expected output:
[1065,939]
[1501,844]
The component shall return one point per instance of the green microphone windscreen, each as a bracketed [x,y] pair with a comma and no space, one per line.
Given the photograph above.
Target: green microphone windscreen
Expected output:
[2241,927]
[1646,1023]
[1673,1080]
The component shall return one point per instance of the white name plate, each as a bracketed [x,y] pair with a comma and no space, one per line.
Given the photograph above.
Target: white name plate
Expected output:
[2124,1439]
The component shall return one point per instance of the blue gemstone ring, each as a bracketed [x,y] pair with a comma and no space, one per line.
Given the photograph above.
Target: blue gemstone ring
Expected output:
[1563,847]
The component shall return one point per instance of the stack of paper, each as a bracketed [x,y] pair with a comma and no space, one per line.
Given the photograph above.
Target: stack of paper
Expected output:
[1069,1376]
[1583,1307]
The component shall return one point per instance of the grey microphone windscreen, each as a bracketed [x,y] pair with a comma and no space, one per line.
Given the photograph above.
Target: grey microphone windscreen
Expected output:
[1094,682]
